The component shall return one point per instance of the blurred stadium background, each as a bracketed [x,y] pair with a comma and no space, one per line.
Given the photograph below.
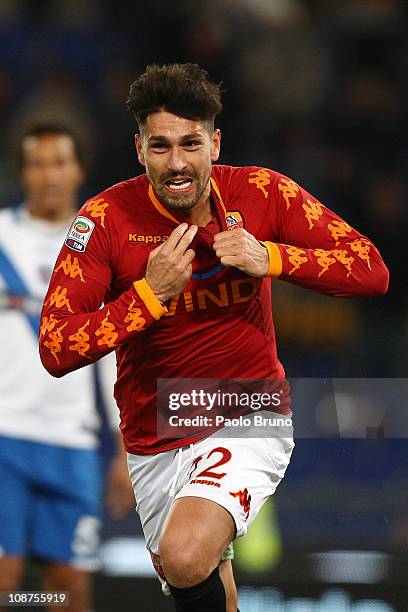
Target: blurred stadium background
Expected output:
[318,91]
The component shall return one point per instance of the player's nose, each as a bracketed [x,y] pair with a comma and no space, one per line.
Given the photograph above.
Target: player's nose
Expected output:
[51,174]
[176,160]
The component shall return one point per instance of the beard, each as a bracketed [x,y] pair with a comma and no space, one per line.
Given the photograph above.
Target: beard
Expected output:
[181,201]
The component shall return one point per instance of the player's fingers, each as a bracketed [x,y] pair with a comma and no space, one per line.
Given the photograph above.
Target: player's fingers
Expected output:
[185,240]
[232,261]
[174,238]
[231,241]
[228,235]
[226,244]
[188,257]
[227,249]
[221,236]
[157,250]
[184,274]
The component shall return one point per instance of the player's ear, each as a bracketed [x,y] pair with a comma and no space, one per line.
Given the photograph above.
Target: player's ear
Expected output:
[139,149]
[215,145]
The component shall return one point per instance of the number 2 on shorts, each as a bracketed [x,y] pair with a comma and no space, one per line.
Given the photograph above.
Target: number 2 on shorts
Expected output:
[226,456]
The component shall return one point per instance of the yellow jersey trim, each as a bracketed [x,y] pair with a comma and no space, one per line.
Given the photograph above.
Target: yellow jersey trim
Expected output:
[163,211]
[275,259]
[217,191]
[145,292]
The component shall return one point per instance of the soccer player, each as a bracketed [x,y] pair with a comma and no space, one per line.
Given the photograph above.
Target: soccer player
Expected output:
[182,259]
[49,465]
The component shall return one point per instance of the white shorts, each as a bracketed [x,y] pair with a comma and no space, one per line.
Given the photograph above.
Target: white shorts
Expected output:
[239,474]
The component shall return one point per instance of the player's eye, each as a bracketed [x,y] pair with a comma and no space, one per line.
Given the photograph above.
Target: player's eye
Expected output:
[191,144]
[159,146]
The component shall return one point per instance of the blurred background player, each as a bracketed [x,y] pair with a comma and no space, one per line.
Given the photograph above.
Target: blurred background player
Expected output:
[50,469]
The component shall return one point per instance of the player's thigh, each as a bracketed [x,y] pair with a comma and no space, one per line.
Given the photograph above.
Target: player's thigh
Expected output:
[150,476]
[67,519]
[238,473]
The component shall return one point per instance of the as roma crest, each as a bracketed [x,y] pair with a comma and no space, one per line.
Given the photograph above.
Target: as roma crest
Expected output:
[234,219]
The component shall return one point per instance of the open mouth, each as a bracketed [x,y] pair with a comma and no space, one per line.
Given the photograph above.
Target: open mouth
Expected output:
[179,185]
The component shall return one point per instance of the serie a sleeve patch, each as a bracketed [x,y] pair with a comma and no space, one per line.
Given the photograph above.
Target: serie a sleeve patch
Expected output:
[79,234]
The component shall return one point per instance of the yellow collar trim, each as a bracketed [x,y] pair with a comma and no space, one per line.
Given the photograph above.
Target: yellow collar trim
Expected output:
[217,191]
[163,211]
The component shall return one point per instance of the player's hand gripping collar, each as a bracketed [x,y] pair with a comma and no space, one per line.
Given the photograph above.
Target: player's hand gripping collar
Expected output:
[239,249]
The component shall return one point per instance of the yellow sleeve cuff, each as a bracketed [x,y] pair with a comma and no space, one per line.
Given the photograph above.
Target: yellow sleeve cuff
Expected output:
[145,292]
[275,259]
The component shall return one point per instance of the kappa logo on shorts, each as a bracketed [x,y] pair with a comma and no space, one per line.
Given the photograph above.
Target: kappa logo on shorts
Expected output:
[234,219]
[206,482]
[79,234]
[244,499]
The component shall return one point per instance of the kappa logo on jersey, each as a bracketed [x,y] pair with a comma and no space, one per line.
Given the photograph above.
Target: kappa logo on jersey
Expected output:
[59,298]
[296,257]
[79,234]
[261,179]
[71,267]
[289,190]
[80,338]
[234,219]
[47,324]
[146,239]
[134,318]
[97,209]
[324,259]
[107,331]
[362,247]
[339,229]
[345,259]
[55,340]
[313,211]
[327,258]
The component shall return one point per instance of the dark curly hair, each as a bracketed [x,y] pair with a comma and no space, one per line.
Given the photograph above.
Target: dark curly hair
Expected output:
[181,89]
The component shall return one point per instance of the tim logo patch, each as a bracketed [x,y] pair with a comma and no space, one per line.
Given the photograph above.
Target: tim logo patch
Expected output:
[234,219]
[79,234]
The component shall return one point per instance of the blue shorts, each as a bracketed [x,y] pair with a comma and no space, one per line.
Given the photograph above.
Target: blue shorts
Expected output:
[50,502]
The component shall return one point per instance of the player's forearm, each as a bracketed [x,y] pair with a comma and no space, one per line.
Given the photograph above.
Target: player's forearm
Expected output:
[352,269]
[71,338]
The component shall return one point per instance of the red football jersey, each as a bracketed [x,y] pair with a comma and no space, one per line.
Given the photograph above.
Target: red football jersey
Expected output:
[221,325]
